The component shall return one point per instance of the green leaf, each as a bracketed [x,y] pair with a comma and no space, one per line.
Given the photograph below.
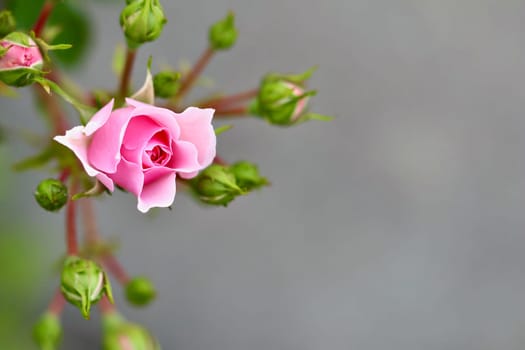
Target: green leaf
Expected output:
[37,161]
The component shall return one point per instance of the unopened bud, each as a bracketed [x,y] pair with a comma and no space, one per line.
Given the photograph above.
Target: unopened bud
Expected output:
[7,23]
[247,175]
[122,335]
[281,102]
[140,291]
[223,34]
[47,332]
[166,84]
[51,194]
[84,283]
[20,59]
[142,21]
[216,185]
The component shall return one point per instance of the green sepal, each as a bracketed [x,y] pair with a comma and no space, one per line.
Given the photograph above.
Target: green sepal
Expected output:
[222,35]
[146,93]
[166,83]
[247,175]
[222,129]
[216,185]
[142,21]
[298,79]
[83,283]
[94,191]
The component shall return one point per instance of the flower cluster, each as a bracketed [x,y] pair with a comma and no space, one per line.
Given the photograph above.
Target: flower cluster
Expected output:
[149,143]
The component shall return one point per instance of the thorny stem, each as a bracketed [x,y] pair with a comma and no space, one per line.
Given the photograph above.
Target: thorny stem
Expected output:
[57,303]
[43,16]
[126,73]
[194,73]
[71,231]
[226,101]
[92,237]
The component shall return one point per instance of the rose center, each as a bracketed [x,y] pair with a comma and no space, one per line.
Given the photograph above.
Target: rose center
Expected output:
[158,155]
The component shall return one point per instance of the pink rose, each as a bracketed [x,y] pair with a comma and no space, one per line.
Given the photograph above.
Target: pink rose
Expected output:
[142,148]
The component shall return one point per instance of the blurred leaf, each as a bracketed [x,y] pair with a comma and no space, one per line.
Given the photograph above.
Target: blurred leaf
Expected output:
[72,21]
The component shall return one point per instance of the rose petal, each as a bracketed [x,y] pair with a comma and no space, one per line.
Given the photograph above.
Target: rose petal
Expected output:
[99,119]
[129,176]
[139,132]
[162,116]
[196,127]
[104,149]
[76,140]
[185,157]
[158,193]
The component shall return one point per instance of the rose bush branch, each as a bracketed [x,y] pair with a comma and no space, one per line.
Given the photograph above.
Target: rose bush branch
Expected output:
[227,101]
[222,35]
[71,230]
[47,8]
[125,77]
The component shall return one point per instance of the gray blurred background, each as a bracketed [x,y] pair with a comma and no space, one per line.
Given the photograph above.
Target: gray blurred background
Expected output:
[400,225]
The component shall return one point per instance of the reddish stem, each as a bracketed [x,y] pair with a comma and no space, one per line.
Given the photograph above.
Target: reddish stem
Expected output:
[112,265]
[42,17]
[57,303]
[222,102]
[71,230]
[92,237]
[57,116]
[219,160]
[64,174]
[232,112]
[125,78]
[105,305]
[197,69]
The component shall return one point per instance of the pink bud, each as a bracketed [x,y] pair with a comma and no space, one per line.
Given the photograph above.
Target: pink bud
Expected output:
[301,104]
[20,56]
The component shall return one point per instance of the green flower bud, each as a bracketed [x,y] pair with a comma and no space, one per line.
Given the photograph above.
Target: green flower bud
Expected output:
[223,34]
[7,23]
[122,335]
[84,283]
[142,21]
[47,332]
[20,60]
[216,185]
[280,101]
[140,291]
[247,175]
[51,194]
[166,84]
